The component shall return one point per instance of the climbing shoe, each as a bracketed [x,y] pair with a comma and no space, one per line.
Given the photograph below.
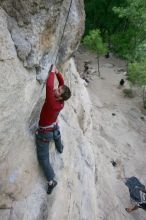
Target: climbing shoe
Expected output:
[60,150]
[51,187]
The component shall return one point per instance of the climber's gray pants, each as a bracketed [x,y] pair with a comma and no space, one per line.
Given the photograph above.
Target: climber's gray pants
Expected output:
[42,144]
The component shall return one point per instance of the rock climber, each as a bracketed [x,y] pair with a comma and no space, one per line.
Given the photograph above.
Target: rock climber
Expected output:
[48,126]
[137,193]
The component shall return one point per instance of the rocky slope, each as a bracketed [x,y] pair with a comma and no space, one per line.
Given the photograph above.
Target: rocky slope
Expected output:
[119,125]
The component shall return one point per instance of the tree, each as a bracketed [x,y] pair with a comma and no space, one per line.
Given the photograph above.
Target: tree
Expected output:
[99,15]
[93,42]
[133,33]
[137,75]
[122,24]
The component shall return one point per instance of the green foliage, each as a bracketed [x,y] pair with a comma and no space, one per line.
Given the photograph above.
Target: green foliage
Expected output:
[124,44]
[122,24]
[134,11]
[93,42]
[99,14]
[134,29]
[137,73]
[140,54]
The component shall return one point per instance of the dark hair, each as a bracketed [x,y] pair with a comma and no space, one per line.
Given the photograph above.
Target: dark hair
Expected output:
[66,93]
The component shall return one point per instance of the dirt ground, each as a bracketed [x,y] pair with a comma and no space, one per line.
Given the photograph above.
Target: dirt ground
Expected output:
[119,124]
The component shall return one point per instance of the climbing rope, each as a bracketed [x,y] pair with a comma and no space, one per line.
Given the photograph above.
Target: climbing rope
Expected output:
[60,41]
[32,127]
[63,30]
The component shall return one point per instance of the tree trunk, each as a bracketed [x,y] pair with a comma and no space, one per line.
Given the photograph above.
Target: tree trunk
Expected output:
[144,97]
[98,66]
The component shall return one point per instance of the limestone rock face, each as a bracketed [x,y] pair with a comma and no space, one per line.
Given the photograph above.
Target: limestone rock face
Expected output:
[88,185]
[37,28]
[30,36]
[18,88]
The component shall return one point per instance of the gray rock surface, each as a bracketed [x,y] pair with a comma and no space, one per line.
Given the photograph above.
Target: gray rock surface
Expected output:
[37,27]
[17,88]
[88,185]
[30,34]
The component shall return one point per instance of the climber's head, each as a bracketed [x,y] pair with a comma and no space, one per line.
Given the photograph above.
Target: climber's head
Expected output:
[62,93]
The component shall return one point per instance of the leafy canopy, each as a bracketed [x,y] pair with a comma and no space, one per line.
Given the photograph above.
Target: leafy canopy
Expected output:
[122,24]
[137,73]
[134,27]
[93,41]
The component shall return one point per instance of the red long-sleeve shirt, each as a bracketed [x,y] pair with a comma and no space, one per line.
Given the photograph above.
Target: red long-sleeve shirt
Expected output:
[52,106]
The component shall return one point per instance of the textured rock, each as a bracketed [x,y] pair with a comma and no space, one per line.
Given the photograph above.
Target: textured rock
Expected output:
[74,195]
[18,89]
[7,50]
[22,45]
[30,36]
[37,29]
[88,188]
